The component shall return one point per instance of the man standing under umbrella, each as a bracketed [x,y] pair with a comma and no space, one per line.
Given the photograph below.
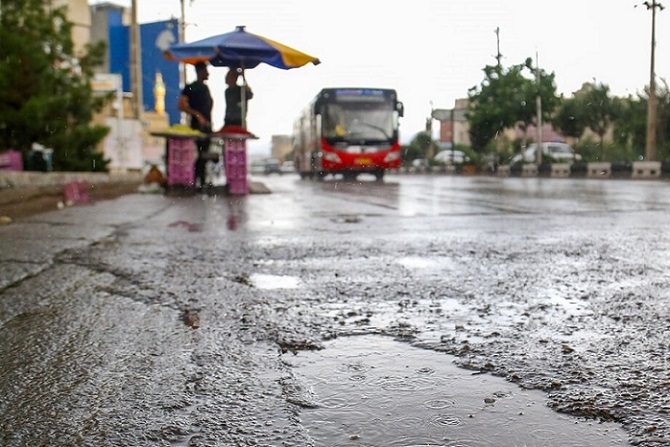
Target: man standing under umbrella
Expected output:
[196,101]
[234,113]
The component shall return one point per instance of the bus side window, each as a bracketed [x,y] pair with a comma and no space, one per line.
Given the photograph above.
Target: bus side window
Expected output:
[318,122]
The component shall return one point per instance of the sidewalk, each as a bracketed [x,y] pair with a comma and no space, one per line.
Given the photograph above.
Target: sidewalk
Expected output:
[23,194]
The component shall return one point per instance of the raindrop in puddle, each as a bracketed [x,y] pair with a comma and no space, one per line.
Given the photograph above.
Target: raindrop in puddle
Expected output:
[375,391]
[263,281]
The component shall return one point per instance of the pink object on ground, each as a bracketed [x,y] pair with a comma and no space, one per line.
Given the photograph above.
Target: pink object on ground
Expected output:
[76,192]
[11,160]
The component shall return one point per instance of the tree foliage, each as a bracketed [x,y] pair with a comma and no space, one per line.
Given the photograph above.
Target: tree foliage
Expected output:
[663,128]
[600,109]
[507,97]
[570,119]
[631,127]
[45,92]
[593,107]
[418,147]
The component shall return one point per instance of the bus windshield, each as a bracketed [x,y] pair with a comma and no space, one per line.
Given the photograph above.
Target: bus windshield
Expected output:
[359,121]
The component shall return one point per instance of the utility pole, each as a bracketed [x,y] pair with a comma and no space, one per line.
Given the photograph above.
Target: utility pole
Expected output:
[136,63]
[538,100]
[498,55]
[182,39]
[650,151]
[429,131]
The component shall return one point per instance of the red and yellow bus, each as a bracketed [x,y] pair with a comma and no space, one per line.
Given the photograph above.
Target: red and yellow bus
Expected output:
[348,131]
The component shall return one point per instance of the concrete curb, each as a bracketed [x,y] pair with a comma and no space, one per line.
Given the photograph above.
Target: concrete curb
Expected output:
[639,170]
[24,194]
[23,179]
[17,187]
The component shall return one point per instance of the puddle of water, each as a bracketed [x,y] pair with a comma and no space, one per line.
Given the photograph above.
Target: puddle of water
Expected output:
[415,262]
[374,391]
[263,281]
[428,265]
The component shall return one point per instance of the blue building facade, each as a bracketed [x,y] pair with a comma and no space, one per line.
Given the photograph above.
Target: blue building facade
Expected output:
[155,38]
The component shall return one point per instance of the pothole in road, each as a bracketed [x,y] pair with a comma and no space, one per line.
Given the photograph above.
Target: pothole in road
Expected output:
[374,391]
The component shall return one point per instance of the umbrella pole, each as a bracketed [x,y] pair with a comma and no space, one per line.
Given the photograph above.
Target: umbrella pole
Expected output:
[243,98]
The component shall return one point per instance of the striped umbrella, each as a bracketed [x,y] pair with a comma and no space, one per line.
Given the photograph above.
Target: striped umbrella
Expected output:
[239,49]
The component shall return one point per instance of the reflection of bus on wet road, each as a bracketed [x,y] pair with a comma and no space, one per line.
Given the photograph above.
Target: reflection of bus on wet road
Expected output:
[348,131]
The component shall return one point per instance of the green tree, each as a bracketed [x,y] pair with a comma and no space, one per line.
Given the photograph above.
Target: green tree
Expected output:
[418,147]
[570,118]
[630,129]
[663,128]
[45,93]
[507,97]
[600,109]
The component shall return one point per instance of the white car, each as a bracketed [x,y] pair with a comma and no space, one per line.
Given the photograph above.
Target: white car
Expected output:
[420,163]
[287,167]
[449,157]
[265,166]
[559,152]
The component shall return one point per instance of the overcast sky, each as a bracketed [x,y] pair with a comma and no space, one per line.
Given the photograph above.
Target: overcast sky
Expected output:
[430,51]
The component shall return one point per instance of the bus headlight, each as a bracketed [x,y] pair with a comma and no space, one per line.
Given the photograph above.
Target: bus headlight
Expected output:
[331,157]
[392,156]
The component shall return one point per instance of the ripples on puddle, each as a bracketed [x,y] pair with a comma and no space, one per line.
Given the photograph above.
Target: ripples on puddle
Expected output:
[374,391]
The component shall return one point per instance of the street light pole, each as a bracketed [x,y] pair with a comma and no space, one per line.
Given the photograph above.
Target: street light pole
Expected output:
[136,63]
[182,39]
[650,151]
[498,55]
[538,104]
[429,130]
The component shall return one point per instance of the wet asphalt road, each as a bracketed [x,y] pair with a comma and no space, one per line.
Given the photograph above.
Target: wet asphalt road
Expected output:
[153,320]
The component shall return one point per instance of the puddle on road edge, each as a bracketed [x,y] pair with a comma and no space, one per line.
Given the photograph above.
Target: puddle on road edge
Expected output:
[264,281]
[374,391]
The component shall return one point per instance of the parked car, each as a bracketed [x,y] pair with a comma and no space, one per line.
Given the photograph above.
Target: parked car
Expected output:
[287,167]
[272,166]
[265,166]
[558,152]
[449,157]
[420,165]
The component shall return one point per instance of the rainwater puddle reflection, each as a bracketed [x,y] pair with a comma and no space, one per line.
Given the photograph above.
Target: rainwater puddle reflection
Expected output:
[428,265]
[374,391]
[263,281]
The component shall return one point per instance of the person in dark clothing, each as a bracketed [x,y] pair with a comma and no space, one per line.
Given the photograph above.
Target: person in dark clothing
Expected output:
[234,99]
[196,101]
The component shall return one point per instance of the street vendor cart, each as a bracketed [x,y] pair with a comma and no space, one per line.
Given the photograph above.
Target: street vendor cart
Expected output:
[235,160]
[181,154]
